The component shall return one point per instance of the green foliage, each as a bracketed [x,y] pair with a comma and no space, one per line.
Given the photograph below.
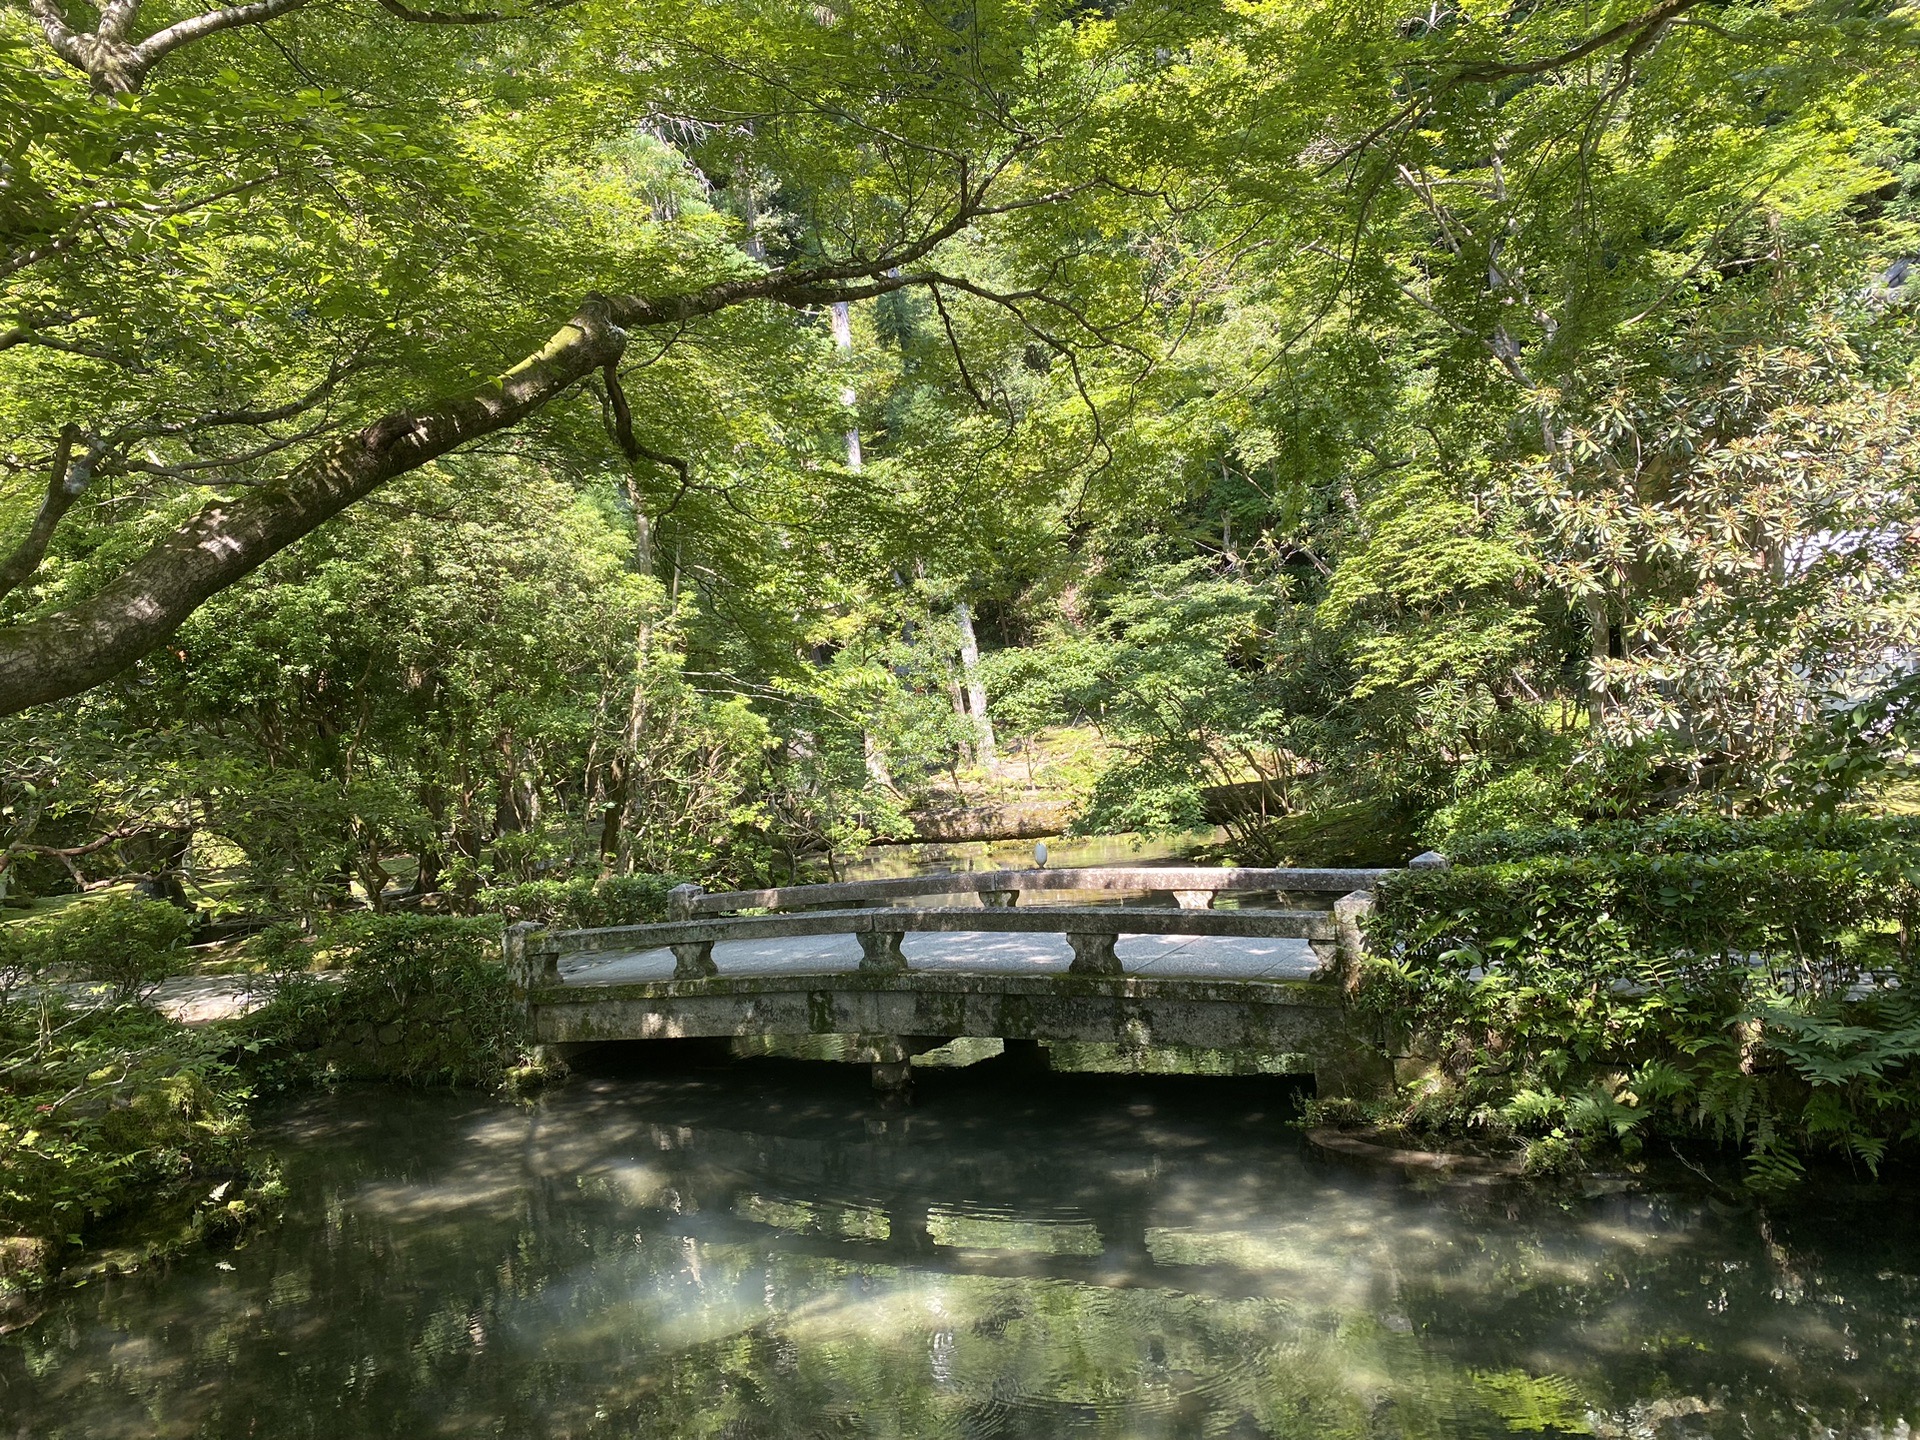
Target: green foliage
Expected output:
[116,1122]
[583,904]
[1688,835]
[22,960]
[1530,795]
[396,688]
[1758,996]
[127,943]
[1365,832]
[1526,446]
[1863,745]
[424,1000]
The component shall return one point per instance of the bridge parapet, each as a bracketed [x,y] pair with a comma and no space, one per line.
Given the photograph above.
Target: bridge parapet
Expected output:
[1193,887]
[701,1000]
[701,920]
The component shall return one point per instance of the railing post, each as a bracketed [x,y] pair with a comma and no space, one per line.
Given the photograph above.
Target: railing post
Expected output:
[891,1060]
[693,960]
[532,953]
[513,953]
[1348,913]
[1429,860]
[1093,954]
[880,952]
[680,901]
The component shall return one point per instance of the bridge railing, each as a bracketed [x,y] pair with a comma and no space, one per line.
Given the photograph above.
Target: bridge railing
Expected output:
[700,920]
[1192,887]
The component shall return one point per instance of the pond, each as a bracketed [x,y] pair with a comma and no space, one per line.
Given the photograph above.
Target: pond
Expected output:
[765,1249]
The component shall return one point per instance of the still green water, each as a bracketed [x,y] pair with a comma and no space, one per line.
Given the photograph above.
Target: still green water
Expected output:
[766,1250]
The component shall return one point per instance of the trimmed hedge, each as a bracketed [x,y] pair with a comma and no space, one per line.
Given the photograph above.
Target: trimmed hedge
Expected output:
[584,904]
[1690,835]
[1764,997]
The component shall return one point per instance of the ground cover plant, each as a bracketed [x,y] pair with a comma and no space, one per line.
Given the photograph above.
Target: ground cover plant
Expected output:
[1749,983]
[125,1134]
[120,1132]
[583,904]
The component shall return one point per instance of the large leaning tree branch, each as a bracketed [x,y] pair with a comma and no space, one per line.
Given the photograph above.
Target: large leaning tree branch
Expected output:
[60,654]
[1639,31]
[119,65]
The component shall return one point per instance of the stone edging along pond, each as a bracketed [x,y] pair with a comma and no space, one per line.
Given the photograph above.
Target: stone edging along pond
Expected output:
[1377,1147]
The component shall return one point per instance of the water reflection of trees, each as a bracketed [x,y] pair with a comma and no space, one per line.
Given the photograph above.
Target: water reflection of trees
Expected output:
[682,1260]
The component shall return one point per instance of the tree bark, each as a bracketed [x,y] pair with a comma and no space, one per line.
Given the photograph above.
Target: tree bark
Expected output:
[70,650]
[65,482]
[843,342]
[983,747]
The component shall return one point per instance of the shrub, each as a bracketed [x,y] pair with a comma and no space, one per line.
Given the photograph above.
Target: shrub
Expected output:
[116,1115]
[129,944]
[583,904]
[1761,996]
[1525,797]
[1689,835]
[1361,833]
[423,1000]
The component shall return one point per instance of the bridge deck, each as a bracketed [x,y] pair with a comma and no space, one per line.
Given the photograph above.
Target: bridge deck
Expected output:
[1208,957]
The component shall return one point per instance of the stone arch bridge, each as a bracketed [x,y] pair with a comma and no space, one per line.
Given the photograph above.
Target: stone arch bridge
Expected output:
[1137,958]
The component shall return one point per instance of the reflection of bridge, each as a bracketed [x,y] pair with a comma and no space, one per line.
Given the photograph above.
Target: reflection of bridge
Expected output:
[903,978]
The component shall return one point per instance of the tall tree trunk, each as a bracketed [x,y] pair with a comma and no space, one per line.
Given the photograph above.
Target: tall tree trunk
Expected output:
[876,758]
[617,839]
[983,745]
[843,342]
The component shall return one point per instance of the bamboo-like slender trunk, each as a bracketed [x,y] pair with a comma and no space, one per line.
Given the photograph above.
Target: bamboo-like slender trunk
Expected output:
[976,690]
[843,342]
[876,758]
[623,800]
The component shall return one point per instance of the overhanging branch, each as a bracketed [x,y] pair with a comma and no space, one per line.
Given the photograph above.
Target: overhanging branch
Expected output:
[67,480]
[56,655]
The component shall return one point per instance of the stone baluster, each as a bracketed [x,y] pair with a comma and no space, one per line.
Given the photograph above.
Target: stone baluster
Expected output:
[880,952]
[999,899]
[1349,912]
[1093,954]
[1194,899]
[693,960]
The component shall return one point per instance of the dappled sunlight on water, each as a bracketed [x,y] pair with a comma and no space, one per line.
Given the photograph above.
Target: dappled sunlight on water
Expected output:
[767,1250]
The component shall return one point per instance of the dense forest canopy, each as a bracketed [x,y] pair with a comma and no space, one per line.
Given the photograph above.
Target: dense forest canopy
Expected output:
[439,448]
